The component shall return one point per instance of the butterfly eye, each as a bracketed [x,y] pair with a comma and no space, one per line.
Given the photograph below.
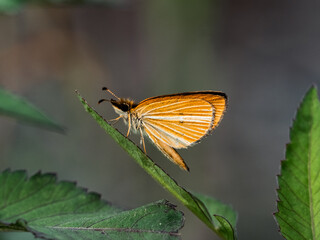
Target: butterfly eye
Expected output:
[124,107]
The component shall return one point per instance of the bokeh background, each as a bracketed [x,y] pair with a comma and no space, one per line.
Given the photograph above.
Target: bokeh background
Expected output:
[263,54]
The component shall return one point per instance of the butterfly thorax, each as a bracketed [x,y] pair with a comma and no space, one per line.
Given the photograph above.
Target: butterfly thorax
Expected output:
[125,107]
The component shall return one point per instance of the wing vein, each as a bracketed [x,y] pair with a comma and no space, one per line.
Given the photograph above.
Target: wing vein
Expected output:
[163,105]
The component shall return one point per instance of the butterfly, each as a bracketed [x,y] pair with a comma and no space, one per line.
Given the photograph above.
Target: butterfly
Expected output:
[172,121]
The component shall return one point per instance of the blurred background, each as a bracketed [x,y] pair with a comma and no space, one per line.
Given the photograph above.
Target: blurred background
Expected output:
[263,54]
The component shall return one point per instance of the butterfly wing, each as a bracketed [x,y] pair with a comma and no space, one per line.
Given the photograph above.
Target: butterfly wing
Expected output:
[168,151]
[219,102]
[181,120]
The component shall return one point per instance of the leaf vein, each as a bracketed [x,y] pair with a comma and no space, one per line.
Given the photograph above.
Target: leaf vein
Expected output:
[292,227]
[30,195]
[303,221]
[44,205]
[293,192]
[127,230]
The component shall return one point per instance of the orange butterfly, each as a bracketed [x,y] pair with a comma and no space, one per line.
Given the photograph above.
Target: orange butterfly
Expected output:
[172,121]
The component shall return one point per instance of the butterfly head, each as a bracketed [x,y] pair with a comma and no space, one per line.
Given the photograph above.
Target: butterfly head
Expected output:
[122,105]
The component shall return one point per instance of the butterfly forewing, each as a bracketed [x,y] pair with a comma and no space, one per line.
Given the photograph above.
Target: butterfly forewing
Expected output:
[219,102]
[177,134]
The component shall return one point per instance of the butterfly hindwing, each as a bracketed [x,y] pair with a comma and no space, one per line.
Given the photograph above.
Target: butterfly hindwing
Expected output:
[168,151]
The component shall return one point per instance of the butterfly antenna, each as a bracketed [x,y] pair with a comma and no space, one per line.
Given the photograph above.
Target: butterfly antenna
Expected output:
[103,100]
[108,90]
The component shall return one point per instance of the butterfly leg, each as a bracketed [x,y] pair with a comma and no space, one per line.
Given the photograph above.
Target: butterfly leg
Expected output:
[142,141]
[129,125]
[115,120]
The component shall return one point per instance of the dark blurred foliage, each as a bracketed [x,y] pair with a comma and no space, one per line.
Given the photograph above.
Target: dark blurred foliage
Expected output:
[263,54]
[14,6]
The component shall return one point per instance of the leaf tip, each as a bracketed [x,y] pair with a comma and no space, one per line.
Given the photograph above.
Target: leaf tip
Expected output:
[311,95]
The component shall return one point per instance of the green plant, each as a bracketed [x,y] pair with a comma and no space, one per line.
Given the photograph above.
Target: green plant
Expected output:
[18,108]
[13,6]
[217,216]
[298,213]
[60,210]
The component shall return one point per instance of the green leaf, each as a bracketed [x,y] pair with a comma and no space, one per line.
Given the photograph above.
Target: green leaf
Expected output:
[18,108]
[10,5]
[299,184]
[225,218]
[192,202]
[52,210]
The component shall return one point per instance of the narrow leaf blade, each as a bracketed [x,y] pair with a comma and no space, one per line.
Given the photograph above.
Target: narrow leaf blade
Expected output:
[186,198]
[299,186]
[14,106]
[60,210]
